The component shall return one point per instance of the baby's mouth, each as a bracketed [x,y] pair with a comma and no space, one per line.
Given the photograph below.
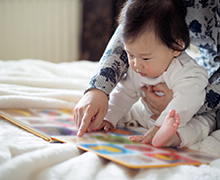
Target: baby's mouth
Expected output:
[143,74]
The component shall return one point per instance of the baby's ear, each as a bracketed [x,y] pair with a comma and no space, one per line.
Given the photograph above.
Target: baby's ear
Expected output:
[179,45]
[176,53]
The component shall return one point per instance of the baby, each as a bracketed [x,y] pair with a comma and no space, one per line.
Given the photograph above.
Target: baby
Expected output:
[155,36]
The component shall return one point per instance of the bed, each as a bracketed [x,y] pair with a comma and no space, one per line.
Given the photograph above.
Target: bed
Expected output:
[36,84]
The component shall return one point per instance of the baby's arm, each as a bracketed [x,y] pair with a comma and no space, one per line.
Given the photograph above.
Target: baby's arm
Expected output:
[188,85]
[147,137]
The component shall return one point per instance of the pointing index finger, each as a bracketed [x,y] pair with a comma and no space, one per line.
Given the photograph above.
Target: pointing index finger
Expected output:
[84,124]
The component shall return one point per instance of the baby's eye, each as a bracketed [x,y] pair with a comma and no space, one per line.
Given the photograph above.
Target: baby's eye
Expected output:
[145,59]
[131,56]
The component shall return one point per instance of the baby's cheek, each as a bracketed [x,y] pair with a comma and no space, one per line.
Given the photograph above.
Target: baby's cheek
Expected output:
[148,70]
[152,72]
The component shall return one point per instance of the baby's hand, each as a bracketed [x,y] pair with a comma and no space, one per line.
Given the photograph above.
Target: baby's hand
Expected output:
[147,137]
[105,125]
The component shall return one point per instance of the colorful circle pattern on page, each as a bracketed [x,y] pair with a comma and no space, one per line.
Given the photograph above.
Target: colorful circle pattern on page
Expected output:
[107,148]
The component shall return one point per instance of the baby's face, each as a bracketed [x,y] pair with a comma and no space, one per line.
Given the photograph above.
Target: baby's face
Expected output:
[148,56]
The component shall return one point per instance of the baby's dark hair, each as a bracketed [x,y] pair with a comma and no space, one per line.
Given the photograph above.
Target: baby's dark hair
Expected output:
[165,17]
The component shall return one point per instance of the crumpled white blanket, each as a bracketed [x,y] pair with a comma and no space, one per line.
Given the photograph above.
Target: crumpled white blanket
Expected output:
[28,83]
[40,84]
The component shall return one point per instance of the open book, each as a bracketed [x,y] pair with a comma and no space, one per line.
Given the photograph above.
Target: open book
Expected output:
[57,126]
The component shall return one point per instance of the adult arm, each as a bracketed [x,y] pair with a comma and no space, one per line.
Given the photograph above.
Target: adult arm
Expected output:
[112,66]
[91,109]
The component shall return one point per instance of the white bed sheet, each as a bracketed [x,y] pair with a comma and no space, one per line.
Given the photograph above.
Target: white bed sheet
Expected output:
[40,84]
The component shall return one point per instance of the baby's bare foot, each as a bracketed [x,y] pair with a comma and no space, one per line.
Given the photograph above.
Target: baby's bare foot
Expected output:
[168,129]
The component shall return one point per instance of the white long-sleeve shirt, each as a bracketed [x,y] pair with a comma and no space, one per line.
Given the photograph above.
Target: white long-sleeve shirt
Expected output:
[184,77]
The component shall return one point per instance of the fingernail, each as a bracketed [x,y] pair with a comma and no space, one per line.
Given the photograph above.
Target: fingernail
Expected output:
[79,134]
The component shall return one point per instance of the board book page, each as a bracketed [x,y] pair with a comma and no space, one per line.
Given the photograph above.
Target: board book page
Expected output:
[57,126]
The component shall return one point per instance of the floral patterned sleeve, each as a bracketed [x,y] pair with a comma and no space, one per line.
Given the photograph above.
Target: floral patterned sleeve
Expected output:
[112,66]
[203,19]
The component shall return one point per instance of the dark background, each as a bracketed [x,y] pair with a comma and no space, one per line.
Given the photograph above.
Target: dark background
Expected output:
[99,23]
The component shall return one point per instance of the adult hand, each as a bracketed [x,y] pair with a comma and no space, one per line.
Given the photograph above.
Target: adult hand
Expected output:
[90,111]
[157,103]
